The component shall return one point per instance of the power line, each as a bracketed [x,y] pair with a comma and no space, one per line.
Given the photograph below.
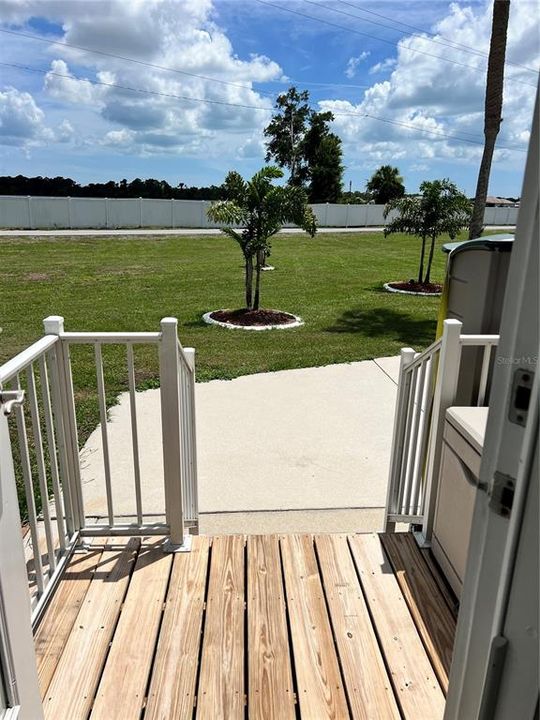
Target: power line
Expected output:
[187,98]
[132,60]
[431,36]
[162,67]
[375,37]
[26,68]
[183,72]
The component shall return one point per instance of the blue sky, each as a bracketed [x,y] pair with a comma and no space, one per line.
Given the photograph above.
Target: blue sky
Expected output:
[397,95]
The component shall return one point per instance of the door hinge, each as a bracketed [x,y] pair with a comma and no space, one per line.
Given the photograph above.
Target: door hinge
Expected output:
[502,494]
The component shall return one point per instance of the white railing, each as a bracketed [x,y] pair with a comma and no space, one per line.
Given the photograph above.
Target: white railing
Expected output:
[37,387]
[428,385]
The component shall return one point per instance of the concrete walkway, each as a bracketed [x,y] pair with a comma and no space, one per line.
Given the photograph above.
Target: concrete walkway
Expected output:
[298,450]
[187,231]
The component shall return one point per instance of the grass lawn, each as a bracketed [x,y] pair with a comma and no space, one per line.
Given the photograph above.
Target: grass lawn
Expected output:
[333,281]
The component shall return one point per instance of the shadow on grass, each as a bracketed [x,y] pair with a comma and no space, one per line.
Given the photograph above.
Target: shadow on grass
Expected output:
[383,322]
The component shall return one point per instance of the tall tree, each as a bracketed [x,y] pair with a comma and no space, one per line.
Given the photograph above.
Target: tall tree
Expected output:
[323,155]
[326,171]
[299,139]
[492,110]
[441,208]
[386,184]
[286,132]
[254,211]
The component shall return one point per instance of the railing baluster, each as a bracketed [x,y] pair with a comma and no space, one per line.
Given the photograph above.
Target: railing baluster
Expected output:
[134,433]
[189,354]
[29,489]
[423,434]
[396,453]
[484,375]
[54,325]
[59,424]
[51,443]
[40,461]
[414,459]
[184,441]
[404,475]
[104,432]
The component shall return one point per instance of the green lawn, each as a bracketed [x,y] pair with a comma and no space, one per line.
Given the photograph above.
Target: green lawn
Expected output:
[333,281]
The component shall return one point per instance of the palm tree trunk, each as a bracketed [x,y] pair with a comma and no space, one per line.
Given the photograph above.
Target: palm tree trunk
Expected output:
[493,108]
[260,263]
[421,268]
[249,282]
[430,260]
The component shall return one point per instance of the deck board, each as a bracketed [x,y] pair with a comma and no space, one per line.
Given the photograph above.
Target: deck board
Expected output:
[271,693]
[221,684]
[434,621]
[263,627]
[368,687]
[320,689]
[122,687]
[417,689]
[82,661]
[172,686]
[55,627]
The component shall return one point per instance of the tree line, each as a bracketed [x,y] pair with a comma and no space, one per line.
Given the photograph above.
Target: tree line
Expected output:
[66,187]
[298,139]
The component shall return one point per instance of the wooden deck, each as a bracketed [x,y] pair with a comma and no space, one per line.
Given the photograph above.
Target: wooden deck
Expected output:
[331,626]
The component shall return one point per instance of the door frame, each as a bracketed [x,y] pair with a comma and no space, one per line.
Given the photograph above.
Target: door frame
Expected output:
[479,680]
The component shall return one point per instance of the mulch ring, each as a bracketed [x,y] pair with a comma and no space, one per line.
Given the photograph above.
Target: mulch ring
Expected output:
[250,318]
[413,286]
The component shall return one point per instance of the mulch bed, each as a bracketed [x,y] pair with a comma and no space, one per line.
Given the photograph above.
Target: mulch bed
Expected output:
[245,317]
[414,286]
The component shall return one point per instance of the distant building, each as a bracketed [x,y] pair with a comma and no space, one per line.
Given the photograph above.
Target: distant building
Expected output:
[492,201]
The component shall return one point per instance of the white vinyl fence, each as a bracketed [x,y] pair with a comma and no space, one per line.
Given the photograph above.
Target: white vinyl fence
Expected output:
[27,212]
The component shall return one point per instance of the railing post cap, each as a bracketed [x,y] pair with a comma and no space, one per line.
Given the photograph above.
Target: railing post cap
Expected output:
[169,321]
[53,325]
[452,322]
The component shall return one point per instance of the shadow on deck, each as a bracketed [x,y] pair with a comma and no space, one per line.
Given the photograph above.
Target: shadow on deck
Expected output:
[263,626]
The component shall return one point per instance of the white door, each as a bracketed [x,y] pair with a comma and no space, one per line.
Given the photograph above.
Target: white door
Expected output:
[19,691]
[494,674]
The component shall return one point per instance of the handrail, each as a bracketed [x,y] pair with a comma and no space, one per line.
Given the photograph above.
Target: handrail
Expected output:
[111,337]
[27,356]
[468,340]
[47,445]
[427,386]
[420,357]
[183,358]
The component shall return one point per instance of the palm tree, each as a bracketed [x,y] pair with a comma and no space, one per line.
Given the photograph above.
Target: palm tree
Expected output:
[440,209]
[492,111]
[254,211]
[386,184]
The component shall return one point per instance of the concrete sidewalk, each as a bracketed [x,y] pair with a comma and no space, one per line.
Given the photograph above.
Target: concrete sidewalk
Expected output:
[298,450]
[188,231]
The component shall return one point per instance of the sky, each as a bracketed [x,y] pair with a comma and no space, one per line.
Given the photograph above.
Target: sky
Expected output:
[181,90]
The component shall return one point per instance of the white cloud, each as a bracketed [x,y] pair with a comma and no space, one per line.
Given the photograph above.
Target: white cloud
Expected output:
[178,35]
[354,62]
[22,122]
[62,85]
[383,66]
[441,97]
